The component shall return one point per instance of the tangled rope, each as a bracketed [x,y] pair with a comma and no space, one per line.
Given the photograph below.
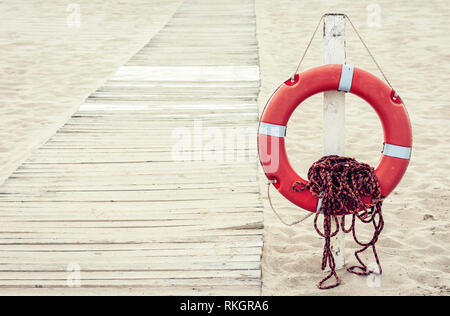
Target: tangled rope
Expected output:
[342,183]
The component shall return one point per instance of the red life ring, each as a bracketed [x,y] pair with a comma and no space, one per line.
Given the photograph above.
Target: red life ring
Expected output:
[390,109]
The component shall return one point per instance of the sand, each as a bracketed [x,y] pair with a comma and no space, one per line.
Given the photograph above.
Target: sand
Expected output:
[48,69]
[412,46]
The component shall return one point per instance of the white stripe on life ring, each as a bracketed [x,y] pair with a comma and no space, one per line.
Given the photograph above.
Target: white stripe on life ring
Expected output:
[272,129]
[397,151]
[345,83]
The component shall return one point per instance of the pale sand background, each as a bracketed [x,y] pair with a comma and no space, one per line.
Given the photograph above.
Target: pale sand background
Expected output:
[48,69]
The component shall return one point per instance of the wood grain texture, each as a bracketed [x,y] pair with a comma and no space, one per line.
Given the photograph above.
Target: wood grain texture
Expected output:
[105,193]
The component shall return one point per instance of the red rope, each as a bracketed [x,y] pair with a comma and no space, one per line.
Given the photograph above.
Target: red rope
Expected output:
[342,183]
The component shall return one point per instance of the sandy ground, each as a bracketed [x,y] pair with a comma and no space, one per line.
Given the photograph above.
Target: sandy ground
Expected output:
[49,65]
[412,45]
[49,68]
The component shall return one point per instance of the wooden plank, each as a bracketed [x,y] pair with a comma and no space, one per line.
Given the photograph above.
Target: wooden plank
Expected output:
[225,245]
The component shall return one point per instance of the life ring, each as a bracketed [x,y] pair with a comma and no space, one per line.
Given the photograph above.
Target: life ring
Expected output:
[389,107]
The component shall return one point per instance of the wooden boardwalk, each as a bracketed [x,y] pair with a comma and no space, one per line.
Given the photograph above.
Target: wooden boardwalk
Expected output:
[132,190]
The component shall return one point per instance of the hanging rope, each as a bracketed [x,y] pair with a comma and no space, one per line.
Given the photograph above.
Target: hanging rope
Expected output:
[342,183]
[278,215]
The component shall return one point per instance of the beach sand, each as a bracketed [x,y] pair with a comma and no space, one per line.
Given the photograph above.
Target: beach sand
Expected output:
[412,45]
[49,68]
[49,65]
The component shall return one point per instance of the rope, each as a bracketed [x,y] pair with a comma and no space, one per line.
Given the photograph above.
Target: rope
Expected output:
[360,38]
[342,183]
[278,215]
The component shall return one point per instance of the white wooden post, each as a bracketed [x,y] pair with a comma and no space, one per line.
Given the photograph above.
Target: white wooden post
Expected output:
[334,109]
